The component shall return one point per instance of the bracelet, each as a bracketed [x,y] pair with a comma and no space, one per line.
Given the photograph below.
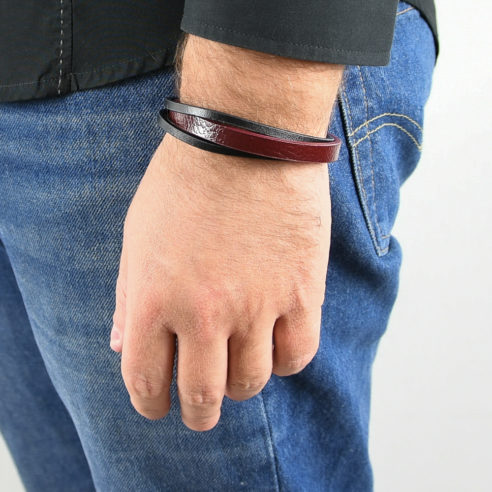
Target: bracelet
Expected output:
[211,114]
[175,131]
[224,133]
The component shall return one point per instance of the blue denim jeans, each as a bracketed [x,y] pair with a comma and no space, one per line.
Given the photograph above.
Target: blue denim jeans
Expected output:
[69,167]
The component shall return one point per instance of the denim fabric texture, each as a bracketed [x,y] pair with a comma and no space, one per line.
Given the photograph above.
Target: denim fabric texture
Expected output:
[69,167]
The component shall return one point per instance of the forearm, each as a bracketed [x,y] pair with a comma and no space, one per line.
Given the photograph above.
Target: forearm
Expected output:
[289,93]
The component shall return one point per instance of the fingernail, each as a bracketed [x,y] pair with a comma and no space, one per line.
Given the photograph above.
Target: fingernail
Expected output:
[115,338]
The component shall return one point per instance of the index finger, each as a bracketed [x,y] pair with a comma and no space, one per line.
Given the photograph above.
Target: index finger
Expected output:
[147,361]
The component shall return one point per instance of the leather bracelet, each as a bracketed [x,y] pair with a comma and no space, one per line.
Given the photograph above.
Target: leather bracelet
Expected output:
[173,104]
[216,131]
[198,142]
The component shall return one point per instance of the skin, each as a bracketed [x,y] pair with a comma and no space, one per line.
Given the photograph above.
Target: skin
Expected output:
[226,255]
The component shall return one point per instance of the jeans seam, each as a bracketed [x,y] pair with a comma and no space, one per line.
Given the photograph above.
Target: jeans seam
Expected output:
[371,159]
[349,113]
[346,111]
[273,456]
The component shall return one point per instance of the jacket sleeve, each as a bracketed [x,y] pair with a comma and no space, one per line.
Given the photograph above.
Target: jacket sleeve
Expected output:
[348,32]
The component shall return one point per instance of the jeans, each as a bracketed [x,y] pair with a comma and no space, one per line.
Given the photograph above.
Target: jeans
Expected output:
[69,167]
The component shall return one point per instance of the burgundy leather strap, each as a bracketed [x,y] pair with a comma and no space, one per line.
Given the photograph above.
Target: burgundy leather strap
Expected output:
[251,142]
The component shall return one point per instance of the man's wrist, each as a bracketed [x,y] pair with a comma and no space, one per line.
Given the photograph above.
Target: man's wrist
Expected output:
[294,94]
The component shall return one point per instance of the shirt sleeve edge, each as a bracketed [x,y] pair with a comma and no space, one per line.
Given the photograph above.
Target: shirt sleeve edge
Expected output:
[285,48]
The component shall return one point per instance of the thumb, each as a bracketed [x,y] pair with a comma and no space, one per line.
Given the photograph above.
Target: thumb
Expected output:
[120,305]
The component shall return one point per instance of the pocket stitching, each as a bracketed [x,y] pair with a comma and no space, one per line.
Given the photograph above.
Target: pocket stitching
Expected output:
[404,130]
[351,134]
[371,160]
[356,159]
[359,181]
[358,106]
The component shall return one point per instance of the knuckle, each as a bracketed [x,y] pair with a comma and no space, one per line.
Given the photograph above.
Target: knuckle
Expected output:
[251,385]
[146,385]
[201,398]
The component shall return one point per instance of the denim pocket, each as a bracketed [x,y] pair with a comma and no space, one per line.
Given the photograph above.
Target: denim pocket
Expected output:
[382,110]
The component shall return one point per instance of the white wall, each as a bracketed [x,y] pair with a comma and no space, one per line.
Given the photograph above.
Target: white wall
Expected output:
[432,394]
[432,405]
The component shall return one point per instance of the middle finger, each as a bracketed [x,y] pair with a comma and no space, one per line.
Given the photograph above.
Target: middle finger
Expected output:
[201,378]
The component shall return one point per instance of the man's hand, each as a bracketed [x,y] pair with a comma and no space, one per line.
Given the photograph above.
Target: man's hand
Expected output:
[224,252]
